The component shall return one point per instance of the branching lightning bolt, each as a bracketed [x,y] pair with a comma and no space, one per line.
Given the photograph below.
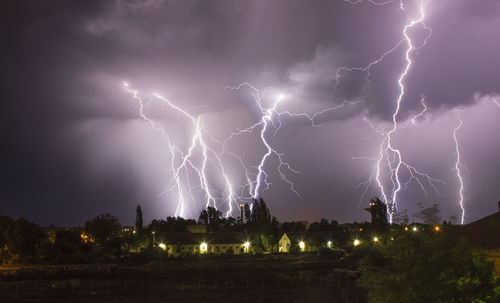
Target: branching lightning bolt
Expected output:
[390,157]
[458,169]
[257,182]
[182,163]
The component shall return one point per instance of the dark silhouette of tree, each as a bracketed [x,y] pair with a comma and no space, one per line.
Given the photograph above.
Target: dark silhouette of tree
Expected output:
[139,223]
[171,224]
[401,217]
[23,238]
[4,223]
[378,212]
[428,215]
[68,242]
[429,267]
[263,226]
[212,218]
[104,229]
[229,224]
[247,212]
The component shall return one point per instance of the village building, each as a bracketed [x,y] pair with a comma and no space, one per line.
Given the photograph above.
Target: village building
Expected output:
[485,233]
[284,244]
[186,243]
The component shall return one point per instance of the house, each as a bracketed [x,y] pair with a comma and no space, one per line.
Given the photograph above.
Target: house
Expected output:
[284,244]
[311,241]
[485,233]
[185,243]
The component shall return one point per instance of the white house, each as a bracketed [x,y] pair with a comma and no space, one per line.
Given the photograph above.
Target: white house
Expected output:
[284,243]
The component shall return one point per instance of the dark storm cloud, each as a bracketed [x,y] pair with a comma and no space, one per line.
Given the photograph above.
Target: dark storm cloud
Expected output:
[67,127]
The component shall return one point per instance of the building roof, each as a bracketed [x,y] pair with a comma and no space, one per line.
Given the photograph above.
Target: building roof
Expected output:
[185,238]
[485,232]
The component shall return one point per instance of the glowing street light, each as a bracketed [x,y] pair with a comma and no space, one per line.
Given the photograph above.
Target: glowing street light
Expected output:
[414,228]
[329,244]
[203,248]
[375,239]
[162,246]
[437,228]
[302,245]
[356,242]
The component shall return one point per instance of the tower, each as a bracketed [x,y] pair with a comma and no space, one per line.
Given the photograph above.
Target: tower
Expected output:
[242,205]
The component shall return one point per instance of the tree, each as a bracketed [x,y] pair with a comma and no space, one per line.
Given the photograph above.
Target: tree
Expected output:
[229,224]
[428,215]
[23,238]
[138,220]
[265,228]
[248,213]
[429,267]
[171,224]
[104,230]
[4,223]
[68,241]
[401,217]
[378,212]
[212,218]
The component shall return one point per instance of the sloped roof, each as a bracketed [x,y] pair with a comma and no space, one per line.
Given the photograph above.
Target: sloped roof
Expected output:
[484,232]
[179,238]
[197,238]
[226,238]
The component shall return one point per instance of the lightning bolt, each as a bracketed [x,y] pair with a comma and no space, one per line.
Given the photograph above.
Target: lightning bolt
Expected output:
[458,169]
[257,179]
[183,164]
[389,148]
[381,3]
[389,162]
[259,182]
[413,120]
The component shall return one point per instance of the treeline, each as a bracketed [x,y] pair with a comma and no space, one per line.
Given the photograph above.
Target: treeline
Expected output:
[103,238]
[429,261]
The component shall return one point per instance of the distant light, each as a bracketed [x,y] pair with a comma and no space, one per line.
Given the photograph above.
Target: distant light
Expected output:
[392,239]
[162,246]
[356,242]
[247,245]
[437,228]
[302,245]
[414,228]
[406,228]
[203,247]
[329,244]
[153,233]
[375,239]
[361,229]
[133,232]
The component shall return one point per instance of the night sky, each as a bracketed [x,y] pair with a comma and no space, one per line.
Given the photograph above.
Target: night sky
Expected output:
[73,143]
